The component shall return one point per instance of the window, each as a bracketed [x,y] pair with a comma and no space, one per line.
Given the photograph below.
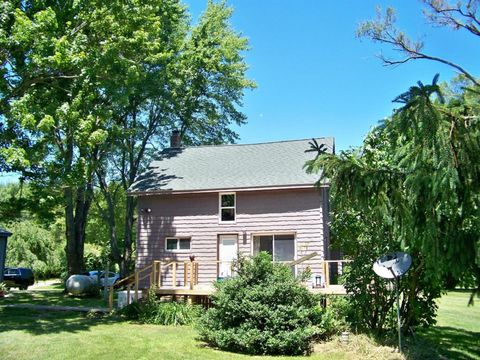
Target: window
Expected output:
[281,247]
[177,243]
[227,207]
[12,272]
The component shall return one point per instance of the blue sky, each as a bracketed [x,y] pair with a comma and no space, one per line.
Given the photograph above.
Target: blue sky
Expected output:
[315,78]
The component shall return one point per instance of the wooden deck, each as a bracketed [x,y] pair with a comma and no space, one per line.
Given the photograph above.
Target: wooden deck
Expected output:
[207,290]
[186,281]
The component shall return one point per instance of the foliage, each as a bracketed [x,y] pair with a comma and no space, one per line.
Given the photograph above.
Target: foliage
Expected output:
[11,202]
[89,90]
[413,186]
[372,299]
[95,256]
[3,287]
[131,311]
[20,201]
[195,86]
[335,314]
[32,246]
[153,311]
[262,310]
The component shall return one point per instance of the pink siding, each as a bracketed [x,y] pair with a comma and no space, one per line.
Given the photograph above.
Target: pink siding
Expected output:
[196,215]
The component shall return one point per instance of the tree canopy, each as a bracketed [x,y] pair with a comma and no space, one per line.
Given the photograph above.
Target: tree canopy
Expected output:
[418,173]
[87,88]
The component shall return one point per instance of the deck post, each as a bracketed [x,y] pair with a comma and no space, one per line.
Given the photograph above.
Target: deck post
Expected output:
[154,274]
[110,299]
[128,294]
[159,284]
[192,274]
[327,274]
[174,274]
[185,273]
[324,274]
[196,273]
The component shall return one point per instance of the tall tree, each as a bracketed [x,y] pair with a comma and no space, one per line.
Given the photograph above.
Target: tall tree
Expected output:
[48,97]
[197,90]
[138,117]
[425,182]
[68,70]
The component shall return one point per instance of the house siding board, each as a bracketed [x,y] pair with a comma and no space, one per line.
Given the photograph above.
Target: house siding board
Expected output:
[196,215]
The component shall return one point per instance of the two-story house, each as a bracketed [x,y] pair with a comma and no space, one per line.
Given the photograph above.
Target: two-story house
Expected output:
[221,201]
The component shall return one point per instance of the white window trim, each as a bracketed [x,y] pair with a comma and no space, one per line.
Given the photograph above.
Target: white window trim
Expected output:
[178,243]
[220,207]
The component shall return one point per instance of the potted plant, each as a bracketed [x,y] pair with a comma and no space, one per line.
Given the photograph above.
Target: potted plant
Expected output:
[3,290]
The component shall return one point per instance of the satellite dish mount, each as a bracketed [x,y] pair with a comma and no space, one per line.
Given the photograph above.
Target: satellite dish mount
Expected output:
[393,266]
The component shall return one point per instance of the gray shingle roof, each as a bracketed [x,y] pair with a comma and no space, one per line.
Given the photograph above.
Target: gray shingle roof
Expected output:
[221,167]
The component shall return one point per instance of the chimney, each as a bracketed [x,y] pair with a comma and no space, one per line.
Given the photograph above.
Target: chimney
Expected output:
[175,139]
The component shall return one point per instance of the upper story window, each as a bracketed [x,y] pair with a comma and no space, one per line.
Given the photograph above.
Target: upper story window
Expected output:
[177,243]
[227,207]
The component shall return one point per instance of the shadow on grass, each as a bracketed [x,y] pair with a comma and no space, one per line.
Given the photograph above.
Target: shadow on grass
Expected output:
[48,322]
[51,297]
[444,342]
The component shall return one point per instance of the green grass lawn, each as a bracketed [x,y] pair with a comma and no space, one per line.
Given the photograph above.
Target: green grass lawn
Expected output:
[28,334]
[50,295]
[53,335]
[457,333]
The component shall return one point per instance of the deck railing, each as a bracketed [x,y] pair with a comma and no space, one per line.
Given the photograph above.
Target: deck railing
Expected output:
[333,267]
[163,274]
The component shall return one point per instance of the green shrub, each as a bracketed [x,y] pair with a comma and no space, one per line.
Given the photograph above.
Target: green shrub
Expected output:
[35,247]
[131,311]
[333,319]
[262,310]
[372,299]
[153,311]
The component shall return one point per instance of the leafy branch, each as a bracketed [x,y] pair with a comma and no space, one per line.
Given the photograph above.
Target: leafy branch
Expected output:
[383,30]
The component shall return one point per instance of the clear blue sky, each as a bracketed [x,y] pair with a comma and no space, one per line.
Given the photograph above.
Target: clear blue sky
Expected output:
[315,78]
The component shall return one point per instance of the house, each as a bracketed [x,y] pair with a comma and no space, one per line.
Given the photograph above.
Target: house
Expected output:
[214,202]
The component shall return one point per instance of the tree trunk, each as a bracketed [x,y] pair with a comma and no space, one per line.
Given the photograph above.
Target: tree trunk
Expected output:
[129,221]
[74,263]
[76,222]
[108,216]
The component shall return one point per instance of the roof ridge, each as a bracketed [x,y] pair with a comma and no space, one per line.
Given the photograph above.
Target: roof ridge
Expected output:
[249,144]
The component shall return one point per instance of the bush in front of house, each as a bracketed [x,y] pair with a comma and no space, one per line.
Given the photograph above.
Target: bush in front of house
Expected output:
[262,310]
[153,311]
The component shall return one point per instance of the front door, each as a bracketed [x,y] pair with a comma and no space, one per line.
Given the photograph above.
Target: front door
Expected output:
[227,253]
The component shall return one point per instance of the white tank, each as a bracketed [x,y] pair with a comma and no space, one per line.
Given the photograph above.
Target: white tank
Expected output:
[80,284]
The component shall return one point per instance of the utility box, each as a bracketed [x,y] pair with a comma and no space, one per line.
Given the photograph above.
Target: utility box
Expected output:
[122,298]
[4,234]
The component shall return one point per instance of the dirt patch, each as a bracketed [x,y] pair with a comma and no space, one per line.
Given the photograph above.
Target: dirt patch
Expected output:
[358,347]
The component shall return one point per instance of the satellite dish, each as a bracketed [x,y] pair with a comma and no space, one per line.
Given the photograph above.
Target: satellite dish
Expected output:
[392,265]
